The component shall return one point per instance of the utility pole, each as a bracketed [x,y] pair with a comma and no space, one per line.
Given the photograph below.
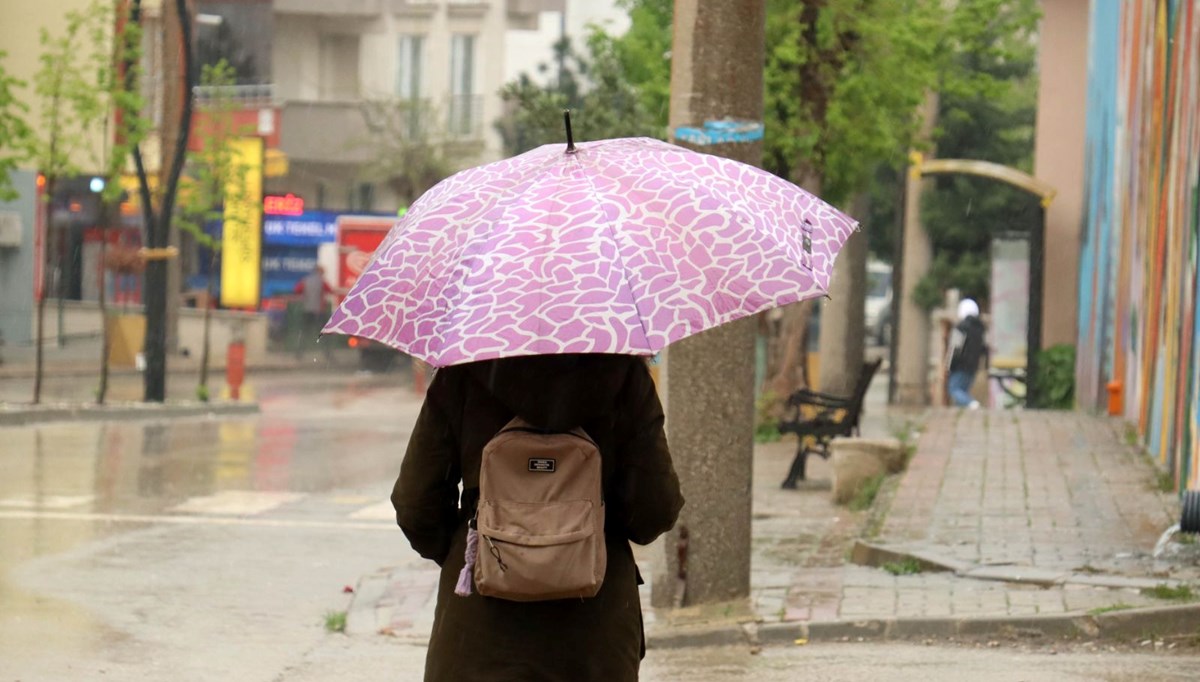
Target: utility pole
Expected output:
[716,73]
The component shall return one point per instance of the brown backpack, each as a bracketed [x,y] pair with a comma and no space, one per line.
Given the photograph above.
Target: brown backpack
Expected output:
[539,526]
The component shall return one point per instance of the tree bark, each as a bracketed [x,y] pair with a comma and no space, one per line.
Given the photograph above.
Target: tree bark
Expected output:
[206,344]
[842,335]
[102,389]
[716,72]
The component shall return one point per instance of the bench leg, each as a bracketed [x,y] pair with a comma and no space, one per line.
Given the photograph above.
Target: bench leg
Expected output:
[796,472]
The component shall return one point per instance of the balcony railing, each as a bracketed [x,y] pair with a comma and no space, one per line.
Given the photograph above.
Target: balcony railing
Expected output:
[243,96]
[464,116]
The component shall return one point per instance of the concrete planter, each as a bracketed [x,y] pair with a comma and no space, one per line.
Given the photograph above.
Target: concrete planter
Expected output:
[126,336]
[858,460]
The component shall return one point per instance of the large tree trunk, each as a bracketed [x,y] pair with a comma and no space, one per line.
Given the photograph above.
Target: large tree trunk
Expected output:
[788,350]
[842,335]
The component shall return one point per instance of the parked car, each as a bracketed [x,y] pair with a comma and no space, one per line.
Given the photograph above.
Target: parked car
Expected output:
[878,307]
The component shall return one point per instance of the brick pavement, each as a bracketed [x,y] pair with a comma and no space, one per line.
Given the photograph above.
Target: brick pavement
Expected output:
[1008,490]
[1011,491]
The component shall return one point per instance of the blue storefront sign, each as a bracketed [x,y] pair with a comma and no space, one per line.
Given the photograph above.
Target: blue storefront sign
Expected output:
[310,228]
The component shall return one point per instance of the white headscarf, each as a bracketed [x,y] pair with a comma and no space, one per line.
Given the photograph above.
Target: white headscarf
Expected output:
[967,308]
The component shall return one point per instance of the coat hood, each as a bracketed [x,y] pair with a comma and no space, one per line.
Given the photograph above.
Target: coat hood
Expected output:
[556,392]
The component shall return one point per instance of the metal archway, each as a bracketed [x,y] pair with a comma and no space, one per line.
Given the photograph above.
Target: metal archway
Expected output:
[919,167]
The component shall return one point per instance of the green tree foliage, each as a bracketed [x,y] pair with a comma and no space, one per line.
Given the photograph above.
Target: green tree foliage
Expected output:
[844,80]
[986,111]
[595,87]
[89,109]
[407,141]
[214,176]
[14,131]
[118,73]
[644,55]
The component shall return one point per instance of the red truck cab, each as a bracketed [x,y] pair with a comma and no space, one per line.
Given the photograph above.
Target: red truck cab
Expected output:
[357,239]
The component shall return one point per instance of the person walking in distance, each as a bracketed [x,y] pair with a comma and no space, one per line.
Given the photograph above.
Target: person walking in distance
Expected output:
[313,291]
[967,347]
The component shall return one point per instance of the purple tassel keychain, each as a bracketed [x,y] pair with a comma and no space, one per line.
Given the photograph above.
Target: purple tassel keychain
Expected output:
[463,588]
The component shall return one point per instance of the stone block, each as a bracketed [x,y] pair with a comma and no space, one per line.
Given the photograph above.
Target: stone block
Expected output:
[857,460]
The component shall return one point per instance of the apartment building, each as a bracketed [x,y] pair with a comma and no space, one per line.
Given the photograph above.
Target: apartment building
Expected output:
[339,66]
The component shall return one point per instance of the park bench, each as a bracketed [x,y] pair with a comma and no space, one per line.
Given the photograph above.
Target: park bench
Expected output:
[817,418]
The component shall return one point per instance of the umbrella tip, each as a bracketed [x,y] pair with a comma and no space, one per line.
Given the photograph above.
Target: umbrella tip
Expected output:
[570,137]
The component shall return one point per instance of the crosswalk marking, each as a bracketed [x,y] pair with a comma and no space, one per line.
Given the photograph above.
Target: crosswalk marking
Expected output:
[46,501]
[236,502]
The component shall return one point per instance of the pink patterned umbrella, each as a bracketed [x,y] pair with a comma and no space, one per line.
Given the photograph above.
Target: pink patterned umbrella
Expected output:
[616,246]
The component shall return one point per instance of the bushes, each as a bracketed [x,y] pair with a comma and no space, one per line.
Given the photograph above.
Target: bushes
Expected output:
[1055,384]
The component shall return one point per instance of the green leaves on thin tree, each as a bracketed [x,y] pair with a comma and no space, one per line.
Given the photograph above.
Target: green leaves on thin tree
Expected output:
[596,88]
[14,131]
[214,174]
[844,80]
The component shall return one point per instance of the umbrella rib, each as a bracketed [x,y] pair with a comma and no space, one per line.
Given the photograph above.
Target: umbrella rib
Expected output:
[620,258]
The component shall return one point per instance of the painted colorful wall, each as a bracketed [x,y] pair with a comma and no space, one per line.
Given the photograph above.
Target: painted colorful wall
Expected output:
[1138,268]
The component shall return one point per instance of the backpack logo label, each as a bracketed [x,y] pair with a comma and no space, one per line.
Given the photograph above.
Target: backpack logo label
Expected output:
[542,465]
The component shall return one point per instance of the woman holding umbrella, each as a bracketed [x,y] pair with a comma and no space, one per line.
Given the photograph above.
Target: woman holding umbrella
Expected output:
[535,283]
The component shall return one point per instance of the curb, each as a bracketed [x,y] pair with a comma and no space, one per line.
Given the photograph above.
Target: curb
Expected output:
[219,369]
[875,556]
[124,412]
[1114,625]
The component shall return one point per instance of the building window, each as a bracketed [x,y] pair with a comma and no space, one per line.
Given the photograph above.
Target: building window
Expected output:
[462,109]
[366,197]
[339,67]
[408,66]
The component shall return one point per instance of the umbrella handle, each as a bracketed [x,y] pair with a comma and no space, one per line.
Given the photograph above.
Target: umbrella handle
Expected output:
[570,137]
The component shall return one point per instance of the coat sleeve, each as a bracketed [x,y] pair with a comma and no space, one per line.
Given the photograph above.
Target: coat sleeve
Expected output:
[426,493]
[646,499]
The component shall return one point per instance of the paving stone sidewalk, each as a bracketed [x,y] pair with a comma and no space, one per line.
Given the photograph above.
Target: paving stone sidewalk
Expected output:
[1009,495]
[1006,494]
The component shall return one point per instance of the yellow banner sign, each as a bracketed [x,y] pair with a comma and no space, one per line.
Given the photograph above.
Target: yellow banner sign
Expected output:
[241,238]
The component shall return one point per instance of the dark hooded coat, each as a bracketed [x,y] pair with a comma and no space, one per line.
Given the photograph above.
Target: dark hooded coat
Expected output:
[613,398]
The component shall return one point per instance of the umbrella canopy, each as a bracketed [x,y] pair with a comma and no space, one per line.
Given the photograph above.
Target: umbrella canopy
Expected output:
[616,246]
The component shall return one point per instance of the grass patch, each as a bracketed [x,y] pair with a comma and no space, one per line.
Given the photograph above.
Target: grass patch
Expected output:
[909,566]
[865,496]
[1166,592]
[767,433]
[1164,482]
[1109,609]
[766,424]
[905,434]
[1131,435]
[335,621]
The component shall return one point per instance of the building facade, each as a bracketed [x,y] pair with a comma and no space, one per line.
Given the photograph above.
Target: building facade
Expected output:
[343,69]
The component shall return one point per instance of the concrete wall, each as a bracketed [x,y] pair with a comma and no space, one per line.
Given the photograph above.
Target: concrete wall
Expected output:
[16,266]
[82,319]
[1139,274]
[1058,156]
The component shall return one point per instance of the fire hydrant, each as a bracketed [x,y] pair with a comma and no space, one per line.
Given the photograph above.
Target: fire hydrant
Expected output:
[235,368]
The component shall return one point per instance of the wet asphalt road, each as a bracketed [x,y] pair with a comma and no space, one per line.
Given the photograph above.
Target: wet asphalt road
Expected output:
[213,549]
